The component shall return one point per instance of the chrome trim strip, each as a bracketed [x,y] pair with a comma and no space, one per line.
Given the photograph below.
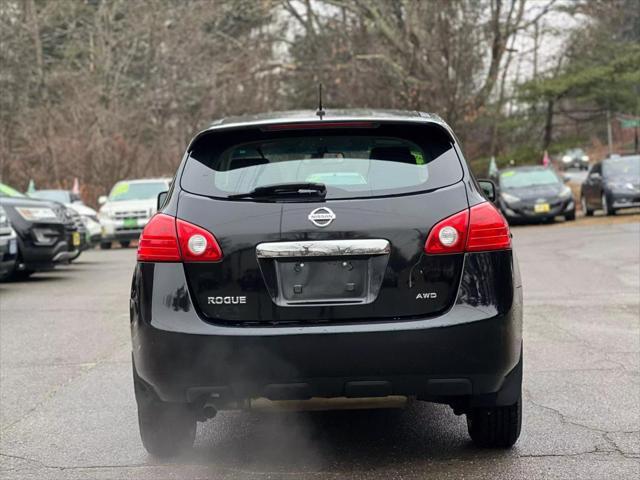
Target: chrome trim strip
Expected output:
[323,248]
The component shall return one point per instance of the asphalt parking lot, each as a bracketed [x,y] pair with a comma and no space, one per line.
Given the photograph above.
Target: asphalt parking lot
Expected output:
[68,411]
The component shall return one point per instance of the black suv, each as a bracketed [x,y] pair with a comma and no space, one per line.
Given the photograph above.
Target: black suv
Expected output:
[351,255]
[46,233]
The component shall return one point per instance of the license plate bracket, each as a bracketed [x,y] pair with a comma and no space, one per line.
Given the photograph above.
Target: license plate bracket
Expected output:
[339,280]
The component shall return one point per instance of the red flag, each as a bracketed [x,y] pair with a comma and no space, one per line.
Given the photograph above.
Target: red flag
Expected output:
[546,161]
[76,186]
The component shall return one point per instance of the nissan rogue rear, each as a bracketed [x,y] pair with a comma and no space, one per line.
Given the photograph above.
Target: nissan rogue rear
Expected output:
[347,256]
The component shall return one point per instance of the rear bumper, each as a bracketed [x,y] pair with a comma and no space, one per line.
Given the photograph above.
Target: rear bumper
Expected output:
[466,353]
[431,363]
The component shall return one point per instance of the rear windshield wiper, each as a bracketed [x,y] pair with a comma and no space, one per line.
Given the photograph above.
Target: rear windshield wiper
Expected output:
[286,190]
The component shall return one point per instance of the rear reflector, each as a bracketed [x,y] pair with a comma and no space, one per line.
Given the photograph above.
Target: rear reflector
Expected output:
[315,125]
[167,239]
[478,229]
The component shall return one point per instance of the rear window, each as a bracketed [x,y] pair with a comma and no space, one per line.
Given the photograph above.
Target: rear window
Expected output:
[351,162]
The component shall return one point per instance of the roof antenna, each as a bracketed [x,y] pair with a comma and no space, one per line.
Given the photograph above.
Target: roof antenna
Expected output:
[320,111]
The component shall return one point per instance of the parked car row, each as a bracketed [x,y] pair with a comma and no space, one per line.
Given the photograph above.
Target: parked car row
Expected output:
[539,194]
[44,228]
[46,234]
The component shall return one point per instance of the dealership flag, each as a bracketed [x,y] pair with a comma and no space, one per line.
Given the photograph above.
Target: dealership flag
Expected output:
[546,161]
[76,186]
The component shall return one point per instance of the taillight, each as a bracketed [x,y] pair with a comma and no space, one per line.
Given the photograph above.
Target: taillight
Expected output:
[488,229]
[197,244]
[449,235]
[478,229]
[158,241]
[167,239]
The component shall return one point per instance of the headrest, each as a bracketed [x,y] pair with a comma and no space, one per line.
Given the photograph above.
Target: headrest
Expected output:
[395,154]
[247,162]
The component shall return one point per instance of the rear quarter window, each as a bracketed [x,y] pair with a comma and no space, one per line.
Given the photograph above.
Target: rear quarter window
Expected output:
[351,162]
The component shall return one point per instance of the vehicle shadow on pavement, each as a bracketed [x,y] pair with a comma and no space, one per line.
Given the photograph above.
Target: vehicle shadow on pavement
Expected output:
[341,440]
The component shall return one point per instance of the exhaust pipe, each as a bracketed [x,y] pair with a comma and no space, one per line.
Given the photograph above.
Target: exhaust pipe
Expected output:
[208,412]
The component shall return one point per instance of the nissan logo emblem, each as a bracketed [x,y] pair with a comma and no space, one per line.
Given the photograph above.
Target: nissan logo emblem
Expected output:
[321,217]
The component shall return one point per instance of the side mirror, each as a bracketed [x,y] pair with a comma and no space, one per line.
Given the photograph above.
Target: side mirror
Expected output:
[162,197]
[489,189]
[102,199]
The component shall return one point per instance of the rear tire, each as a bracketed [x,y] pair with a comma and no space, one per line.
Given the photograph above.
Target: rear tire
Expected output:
[570,216]
[606,207]
[166,429]
[585,209]
[495,427]
[125,244]
[105,245]
[8,275]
